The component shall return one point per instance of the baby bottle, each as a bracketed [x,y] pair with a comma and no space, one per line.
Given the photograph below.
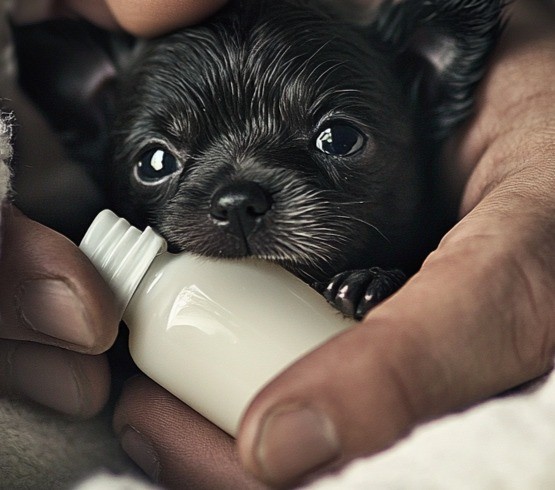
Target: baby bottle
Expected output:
[212,332]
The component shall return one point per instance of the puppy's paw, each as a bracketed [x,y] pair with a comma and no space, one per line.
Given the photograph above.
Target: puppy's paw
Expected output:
[356,292]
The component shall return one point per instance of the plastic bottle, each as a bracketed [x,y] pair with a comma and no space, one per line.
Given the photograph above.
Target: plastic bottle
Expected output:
[212,332]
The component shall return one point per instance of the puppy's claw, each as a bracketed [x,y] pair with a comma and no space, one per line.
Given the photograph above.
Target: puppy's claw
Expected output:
[356,292]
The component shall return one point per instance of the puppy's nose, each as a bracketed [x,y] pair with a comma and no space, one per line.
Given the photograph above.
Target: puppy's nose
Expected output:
[240,206]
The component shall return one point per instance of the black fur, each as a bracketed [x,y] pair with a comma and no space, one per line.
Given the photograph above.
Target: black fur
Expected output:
[445,45]
[242,98]
[226,119]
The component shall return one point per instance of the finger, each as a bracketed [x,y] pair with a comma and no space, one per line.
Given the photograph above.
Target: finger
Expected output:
[152,18]
[49,291]
[40,10]
[68,382]
[475,321]
[96,11]
[173,444]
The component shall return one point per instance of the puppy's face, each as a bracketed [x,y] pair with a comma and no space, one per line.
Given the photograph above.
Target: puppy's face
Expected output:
[280,134]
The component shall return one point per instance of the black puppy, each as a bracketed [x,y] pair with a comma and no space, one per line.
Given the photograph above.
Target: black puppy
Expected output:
[276,130]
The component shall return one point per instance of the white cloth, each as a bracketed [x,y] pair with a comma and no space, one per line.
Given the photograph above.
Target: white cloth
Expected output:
[504,444]
[5,155]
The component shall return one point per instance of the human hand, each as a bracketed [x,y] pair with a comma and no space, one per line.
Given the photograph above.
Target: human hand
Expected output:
[139,17]
[56,317]
[56,314]
[476,320]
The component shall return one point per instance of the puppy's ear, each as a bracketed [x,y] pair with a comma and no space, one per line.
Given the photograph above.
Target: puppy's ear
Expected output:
[440,48]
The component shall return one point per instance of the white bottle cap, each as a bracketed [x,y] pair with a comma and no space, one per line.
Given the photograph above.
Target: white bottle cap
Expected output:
[121,253]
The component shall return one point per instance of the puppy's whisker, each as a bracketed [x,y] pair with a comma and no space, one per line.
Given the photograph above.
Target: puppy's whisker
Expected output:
[354,203]
[308,114]
[304,247]
[367,223]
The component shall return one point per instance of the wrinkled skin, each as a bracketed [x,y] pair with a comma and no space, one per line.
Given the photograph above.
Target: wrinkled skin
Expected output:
[57,316]
[488,288]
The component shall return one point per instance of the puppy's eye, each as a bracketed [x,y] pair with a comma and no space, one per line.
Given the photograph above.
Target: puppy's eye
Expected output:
[155,165]
[340,140]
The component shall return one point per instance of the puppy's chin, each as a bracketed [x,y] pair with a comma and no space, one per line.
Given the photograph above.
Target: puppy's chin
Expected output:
[303,263]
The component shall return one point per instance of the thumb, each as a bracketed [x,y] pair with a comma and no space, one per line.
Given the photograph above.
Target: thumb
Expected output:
[475,321]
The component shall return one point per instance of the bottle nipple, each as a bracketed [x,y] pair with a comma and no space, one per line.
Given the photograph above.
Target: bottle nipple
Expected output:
[121,253]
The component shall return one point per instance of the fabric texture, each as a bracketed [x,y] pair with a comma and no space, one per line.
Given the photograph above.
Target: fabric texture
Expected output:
[40,449]
[506,443]
[5,155]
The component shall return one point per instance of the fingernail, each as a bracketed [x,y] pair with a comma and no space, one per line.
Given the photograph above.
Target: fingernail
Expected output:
[51,307]
[56,387]
[295,441]
[139,449]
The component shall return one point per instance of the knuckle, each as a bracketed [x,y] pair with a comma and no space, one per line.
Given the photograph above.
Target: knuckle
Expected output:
[532,323]
[515,285]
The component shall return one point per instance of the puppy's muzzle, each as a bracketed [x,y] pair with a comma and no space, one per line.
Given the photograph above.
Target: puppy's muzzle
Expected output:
[240,207]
